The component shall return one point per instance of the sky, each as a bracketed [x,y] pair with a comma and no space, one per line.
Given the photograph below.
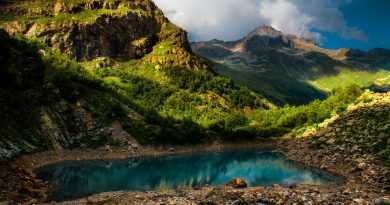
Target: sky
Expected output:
[363,24]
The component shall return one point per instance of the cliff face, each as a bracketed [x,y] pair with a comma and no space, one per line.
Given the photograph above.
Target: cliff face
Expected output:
[37,114]
[86,30]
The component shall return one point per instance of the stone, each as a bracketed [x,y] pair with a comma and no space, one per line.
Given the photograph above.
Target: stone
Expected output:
[340,149]
[237,183]
[31,202]
[277,186]
[323,131]
[307,158]
[362,165]
[382,201]
[331,141]
[346,192]
[107,148]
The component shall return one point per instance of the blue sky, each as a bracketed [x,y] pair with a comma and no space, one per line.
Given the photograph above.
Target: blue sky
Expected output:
[362,24]
[370,16]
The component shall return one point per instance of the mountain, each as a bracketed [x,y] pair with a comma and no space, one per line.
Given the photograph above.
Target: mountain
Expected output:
[86,30]
[106,73]
[293,70]
[101,79]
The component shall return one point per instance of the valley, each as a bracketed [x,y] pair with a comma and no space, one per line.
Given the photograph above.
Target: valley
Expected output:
[291,70]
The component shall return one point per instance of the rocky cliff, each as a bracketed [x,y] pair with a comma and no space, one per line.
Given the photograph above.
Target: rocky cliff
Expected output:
[86,30]
[40,112]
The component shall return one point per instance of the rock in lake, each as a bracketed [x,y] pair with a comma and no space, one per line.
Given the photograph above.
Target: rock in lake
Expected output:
[237,183]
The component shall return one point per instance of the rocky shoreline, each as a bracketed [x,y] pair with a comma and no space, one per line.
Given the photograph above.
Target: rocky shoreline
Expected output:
[331,147]
[363,186]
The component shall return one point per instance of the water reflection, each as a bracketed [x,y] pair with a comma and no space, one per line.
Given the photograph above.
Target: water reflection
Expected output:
[257,167]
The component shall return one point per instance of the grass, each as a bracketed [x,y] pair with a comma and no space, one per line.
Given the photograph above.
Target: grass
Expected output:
[83,16]
[87,16]
[347,77]
[278,89]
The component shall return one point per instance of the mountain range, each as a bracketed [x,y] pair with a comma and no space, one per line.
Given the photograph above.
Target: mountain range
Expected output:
[290,70]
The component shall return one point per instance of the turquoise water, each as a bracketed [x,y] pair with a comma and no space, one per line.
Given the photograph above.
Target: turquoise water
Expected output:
[73,180]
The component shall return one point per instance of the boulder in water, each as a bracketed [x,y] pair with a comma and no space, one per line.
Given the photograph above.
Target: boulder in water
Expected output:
[237,183]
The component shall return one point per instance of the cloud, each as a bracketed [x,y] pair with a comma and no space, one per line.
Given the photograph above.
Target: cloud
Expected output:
[286,16]
[233,19]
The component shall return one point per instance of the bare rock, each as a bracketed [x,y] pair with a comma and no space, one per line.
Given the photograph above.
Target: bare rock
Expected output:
[382,201]
[237,183]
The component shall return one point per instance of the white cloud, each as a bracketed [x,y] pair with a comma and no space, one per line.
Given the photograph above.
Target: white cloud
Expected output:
[286,16]
[233,19]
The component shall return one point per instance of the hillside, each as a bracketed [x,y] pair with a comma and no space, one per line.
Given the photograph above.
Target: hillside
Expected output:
[288,69]
[363,130]
[97,73]
[86,30]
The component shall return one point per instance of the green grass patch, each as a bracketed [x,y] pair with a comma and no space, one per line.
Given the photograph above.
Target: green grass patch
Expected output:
[346,77]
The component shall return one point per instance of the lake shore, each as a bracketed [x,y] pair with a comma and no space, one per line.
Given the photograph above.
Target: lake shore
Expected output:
[363,184]
[31,162]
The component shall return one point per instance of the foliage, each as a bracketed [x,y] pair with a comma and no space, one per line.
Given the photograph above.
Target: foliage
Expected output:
[346,77]
[176,105]
[276,122]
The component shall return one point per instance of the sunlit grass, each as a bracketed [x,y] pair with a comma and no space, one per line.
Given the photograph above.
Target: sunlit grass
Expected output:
[84,16]
[346,77]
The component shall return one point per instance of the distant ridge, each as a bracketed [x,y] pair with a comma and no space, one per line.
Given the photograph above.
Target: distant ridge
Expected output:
[293,70]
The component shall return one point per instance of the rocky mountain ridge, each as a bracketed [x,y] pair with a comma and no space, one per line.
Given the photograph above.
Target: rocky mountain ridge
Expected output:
[266,56]
[86,30]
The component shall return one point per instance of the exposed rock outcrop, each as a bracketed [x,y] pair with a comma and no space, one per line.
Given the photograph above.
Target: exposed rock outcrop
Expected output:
[86,30]
[38,113]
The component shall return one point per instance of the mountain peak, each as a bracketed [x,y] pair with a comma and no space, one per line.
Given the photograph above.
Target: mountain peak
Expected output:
[265,31]
[267,36]
[269,31]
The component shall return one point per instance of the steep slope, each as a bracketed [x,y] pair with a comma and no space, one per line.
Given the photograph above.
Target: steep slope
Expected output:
[45,109]
[288,69]
[363,130]
[107,73]
[87,29]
